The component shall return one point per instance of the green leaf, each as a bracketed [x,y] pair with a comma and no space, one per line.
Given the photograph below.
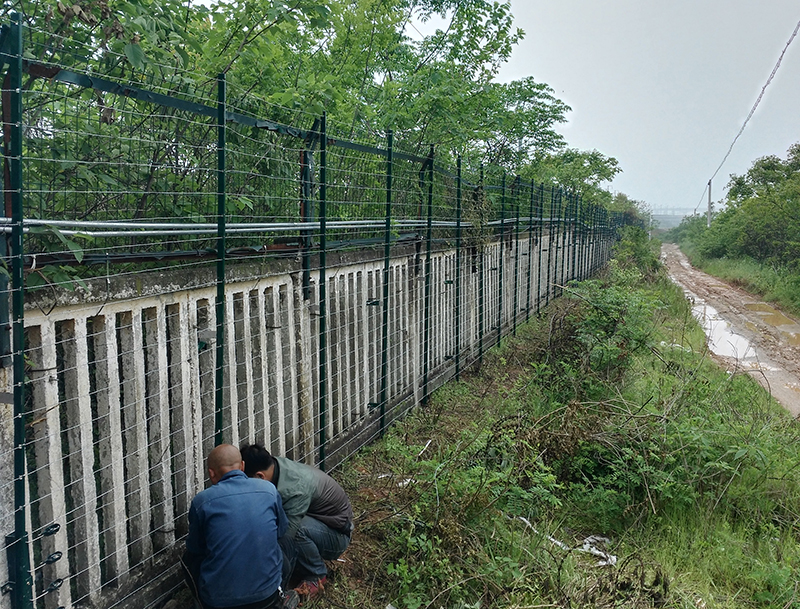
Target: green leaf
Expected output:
[135,55]
[183,55]
[76,249]
[107,179]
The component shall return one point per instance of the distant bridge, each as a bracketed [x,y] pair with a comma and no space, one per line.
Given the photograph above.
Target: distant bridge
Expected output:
[670,217]
[678,211]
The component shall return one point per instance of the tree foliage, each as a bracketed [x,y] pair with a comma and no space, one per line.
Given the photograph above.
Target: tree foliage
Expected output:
[762,217]
[355,59]
[582,171]
[360,61]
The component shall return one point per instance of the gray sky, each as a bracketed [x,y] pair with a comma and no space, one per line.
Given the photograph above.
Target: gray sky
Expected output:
[665,86]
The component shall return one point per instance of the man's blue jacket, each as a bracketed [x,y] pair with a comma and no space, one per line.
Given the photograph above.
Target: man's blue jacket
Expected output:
[234,528]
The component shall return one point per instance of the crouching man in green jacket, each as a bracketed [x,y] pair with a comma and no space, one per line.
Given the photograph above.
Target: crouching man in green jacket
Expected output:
[319,513]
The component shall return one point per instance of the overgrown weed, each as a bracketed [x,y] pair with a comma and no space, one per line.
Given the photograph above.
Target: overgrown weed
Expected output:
[605,417]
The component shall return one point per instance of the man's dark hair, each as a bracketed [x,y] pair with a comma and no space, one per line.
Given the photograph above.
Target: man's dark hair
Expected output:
[256,458]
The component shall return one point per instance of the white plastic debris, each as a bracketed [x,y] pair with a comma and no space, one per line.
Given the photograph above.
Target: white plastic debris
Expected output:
[589,545]
[675,346]
[402,484]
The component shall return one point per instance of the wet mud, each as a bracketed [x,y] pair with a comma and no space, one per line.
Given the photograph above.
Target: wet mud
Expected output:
[743,332]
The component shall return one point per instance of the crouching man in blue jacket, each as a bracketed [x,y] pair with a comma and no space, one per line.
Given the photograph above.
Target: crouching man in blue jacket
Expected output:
[232,554]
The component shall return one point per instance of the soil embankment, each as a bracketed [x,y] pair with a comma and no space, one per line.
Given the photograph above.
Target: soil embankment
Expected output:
[744,333]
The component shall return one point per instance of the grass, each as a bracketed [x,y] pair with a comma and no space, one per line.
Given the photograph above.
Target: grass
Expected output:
[604,417]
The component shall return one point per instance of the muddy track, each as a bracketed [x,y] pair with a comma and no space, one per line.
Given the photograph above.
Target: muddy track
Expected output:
[745,333]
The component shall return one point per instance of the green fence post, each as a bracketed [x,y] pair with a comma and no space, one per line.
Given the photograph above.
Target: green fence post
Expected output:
[387,242]
[601,250]
[598,235]
[585,238]
[323,287]
[589,237]
[306,210]
[578,268]
[601,219]
[590,241]
[458,266]
[578,232]
[562,217]
[573,266]
[481,279]
[588,229]
[500,262]
[564,244]
[221,246]
[594,239]
[427,304]
[550,245]
[584,241]
[556,221]
[518,185]
[598,239]
[530,253]
[540,235]
[20,570]
[581,232]
[559,228]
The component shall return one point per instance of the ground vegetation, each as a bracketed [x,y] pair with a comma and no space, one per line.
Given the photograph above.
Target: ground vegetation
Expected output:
[599,458]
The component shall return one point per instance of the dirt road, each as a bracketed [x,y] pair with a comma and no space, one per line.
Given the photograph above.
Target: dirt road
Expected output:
[744,333]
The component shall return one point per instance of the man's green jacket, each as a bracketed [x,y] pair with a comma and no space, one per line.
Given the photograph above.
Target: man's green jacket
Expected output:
[308,491]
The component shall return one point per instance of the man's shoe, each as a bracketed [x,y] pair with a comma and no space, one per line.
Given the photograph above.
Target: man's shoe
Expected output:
[310,588]
[291,599]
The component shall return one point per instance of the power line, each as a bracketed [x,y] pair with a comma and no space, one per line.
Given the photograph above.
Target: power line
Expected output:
[752,110]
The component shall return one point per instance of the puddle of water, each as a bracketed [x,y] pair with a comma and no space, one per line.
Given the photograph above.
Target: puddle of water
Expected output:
[789,328]
[722,340]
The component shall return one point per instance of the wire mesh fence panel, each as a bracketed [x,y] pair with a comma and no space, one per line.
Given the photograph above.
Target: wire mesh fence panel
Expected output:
[95,155]
[198,266]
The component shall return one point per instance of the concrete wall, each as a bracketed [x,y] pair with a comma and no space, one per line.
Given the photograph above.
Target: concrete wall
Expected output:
[121,389]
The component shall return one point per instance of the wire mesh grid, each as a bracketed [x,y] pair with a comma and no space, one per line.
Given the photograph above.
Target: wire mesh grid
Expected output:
[360,276]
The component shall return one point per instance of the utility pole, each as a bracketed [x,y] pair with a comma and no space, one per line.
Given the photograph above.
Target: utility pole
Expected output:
[708,215]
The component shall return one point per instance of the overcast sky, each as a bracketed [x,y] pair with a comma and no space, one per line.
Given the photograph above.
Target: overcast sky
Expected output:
[664,86]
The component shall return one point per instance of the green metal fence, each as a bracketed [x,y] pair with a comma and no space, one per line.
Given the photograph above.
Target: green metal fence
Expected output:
[112,181]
